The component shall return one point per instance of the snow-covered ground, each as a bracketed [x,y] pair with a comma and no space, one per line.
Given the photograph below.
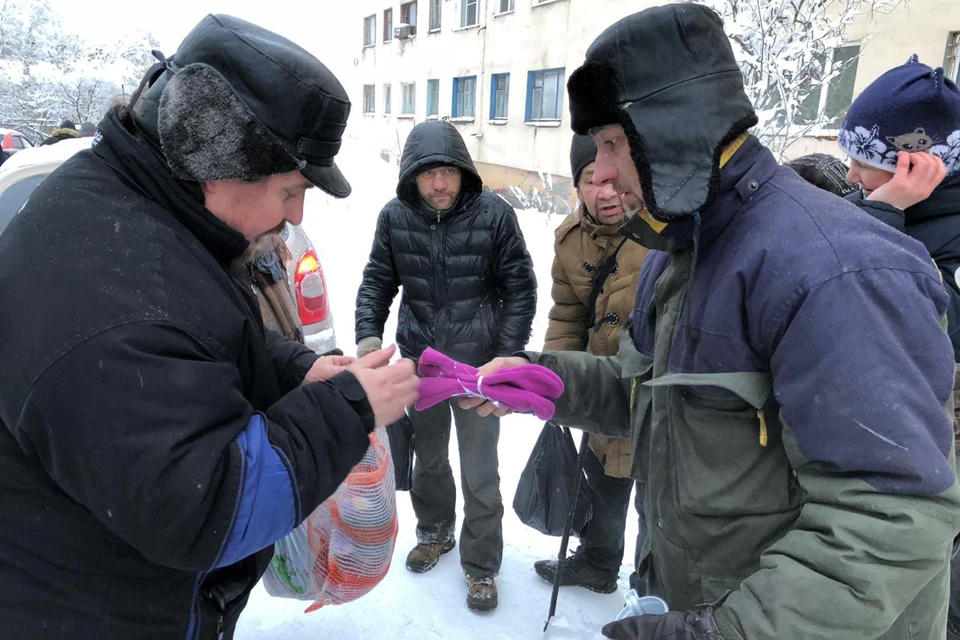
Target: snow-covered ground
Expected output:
[432,605]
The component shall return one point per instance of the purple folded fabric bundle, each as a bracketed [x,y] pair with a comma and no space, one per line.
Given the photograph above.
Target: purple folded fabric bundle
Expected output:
[529,388]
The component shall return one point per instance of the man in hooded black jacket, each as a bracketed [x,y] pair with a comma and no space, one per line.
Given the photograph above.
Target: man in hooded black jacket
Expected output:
[469,291]
[155,440]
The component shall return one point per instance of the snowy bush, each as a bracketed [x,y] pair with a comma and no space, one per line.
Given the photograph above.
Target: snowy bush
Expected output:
[48,74]
[785,51]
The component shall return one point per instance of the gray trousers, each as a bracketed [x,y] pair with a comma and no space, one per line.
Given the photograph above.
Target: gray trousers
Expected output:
[434,492]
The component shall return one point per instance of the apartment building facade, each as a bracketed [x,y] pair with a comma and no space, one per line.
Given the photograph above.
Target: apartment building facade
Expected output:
[497,69]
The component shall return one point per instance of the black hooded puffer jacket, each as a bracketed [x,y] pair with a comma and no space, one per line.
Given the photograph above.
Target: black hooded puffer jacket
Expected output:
[469,289]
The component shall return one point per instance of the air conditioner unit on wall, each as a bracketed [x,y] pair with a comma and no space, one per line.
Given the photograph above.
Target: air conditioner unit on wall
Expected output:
[404,31]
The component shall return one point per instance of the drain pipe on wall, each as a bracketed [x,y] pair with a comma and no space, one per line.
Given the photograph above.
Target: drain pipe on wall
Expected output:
[482,31]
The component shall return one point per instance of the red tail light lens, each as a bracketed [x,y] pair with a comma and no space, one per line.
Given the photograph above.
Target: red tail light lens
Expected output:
[311,289]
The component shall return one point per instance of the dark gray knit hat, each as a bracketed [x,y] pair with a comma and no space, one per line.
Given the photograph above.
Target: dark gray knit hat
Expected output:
[824,171]
[583,151]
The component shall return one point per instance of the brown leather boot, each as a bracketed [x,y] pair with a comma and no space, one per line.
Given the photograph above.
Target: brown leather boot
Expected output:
[425,555]
[481,594]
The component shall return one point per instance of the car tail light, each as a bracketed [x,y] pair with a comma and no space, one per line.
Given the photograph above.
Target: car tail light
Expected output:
[311,290]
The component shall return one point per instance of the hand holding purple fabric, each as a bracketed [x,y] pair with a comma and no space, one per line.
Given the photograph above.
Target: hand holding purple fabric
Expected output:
[524,388]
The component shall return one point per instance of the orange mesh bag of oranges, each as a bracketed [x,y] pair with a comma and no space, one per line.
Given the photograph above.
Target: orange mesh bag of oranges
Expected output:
[343,549]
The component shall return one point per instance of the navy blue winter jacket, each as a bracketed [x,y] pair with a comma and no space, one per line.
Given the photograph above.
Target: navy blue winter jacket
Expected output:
[936,223]
[758,303]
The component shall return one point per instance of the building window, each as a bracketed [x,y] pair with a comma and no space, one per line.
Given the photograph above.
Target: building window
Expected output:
[408,16]
[951,62]
[544,95]
[387,100]
[833,98]
[499,95]
[387,25]
[435,14]
[369,98]
[433,97]
[464,97]
[506,6]
[370,31]
[408,97]
[469,13]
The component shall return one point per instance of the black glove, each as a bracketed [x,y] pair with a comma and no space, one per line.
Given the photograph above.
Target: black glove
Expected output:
[682,625]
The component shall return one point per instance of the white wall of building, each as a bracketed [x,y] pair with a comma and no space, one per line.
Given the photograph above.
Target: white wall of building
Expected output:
[551,35]
[556,34]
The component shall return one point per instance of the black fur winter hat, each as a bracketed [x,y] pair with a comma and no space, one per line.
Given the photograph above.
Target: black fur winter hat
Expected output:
[669,76]
[239,102]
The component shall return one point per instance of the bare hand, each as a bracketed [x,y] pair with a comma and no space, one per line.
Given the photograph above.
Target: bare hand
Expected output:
[390,388]
[485,407]
[917,175]
[326,367]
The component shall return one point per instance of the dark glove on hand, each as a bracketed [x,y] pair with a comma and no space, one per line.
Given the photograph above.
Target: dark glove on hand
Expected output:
[682,625]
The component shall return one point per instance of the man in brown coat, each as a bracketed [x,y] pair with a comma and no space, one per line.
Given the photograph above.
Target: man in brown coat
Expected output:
[586,240]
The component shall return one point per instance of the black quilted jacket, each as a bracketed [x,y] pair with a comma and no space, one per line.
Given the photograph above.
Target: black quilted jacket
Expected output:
[469,289]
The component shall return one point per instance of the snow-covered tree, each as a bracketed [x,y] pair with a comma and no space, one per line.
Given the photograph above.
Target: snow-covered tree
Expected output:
[789,52]
[48,74]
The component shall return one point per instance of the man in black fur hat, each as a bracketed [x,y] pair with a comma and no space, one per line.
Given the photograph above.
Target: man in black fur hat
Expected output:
[785,377]
[156,440]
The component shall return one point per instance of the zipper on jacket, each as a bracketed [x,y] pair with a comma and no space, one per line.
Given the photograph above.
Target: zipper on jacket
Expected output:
[763,428]
[219,626]
[193,630]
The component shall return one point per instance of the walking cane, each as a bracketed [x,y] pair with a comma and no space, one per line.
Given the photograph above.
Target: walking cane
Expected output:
[564,541]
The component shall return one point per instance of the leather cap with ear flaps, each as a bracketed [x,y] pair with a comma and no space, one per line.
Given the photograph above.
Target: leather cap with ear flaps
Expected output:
[669,76]
[260,84]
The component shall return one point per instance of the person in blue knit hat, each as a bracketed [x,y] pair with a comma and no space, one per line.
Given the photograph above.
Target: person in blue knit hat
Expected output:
[903,138]
[902,135]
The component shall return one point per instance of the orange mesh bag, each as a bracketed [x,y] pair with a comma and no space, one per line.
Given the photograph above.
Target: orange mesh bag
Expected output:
[344,548]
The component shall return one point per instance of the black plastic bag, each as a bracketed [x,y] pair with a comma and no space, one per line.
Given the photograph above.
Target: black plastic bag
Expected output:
[546,485]
[400,435]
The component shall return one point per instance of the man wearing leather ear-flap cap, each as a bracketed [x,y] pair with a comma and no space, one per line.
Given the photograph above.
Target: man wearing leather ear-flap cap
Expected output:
[786,376]
[155,438]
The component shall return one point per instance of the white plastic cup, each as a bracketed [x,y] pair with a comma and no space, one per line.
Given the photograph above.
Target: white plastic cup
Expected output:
[637,605]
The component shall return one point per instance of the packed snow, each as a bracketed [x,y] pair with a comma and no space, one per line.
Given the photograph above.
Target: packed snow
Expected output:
[432,605]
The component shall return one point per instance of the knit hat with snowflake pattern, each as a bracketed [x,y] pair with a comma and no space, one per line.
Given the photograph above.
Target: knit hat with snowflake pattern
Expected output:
[909,108]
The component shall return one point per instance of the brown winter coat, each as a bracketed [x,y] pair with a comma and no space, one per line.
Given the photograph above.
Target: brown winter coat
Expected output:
[581,247]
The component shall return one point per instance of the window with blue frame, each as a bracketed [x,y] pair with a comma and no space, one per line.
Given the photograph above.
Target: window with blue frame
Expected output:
[464,97]
[545,95]
[469,13]
[433,97]
[499,96]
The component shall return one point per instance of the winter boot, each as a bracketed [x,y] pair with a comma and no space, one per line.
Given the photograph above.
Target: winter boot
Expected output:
[481,594]
[425,555]
[578,571]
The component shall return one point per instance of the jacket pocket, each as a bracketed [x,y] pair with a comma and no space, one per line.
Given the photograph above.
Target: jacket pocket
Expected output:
[488,325]
[404,322]
[726,437]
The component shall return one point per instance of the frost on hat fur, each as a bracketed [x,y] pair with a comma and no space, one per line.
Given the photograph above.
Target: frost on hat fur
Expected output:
[909,108]
[208,134]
